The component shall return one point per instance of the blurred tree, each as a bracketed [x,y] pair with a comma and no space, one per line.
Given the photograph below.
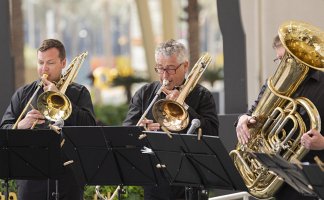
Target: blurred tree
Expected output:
[17,41]
[193,30]
[126,76]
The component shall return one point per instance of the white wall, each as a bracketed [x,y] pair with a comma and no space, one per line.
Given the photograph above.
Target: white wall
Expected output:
[261,20]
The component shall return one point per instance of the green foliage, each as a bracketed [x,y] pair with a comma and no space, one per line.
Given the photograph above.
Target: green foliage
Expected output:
[111,115]
[12,186]
[127,82]
[213,74]
[131,192]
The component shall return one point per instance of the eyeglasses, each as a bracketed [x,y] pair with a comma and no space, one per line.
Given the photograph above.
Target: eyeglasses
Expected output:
[170,69]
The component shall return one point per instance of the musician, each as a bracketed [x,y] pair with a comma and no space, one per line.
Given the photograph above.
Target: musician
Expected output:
[172,65]
[51,61]
[311,88]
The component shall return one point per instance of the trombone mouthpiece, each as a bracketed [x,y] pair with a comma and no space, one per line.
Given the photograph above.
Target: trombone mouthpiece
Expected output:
[165,82]
[45,76]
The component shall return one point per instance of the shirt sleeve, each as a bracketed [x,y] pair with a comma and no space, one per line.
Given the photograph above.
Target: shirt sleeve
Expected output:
[13,111]
[256,102]
[82,108]
[134,111]
[204,110]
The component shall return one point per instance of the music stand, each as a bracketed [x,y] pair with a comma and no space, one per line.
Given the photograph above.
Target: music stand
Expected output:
[187,161]
[301,178]
[29,154]
[108,155]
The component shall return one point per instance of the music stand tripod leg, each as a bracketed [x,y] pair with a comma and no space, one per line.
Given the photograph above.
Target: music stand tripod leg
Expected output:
[56,193]
[121,191]
[202,194]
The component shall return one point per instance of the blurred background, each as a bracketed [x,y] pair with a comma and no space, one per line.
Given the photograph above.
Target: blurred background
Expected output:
[120,39]
[120,36]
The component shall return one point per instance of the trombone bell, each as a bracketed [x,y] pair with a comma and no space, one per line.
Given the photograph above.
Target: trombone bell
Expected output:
[54,105]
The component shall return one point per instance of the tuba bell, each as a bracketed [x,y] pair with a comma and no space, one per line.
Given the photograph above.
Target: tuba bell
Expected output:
[280,125]
[171,114]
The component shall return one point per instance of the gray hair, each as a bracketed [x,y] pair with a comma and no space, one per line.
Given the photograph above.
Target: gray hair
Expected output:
[170,48]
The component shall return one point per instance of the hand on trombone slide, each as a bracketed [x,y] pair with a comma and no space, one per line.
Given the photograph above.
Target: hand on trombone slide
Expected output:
[32,118]
[149,125]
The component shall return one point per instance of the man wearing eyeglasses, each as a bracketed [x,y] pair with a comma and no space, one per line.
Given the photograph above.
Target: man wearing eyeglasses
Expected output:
[172,65]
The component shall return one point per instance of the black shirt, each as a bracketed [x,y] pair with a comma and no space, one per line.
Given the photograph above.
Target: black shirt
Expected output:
[82,108]
[201,106]
[82,115]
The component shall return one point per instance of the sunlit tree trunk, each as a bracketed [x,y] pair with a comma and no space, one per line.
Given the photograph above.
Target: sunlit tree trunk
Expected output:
[193,31]
[107,34]
[17,41]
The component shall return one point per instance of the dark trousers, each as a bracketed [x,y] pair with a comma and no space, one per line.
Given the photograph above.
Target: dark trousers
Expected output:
[69,189]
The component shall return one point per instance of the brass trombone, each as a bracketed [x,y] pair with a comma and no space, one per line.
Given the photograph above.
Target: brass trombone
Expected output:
[165,83]
[172,115]
[40,84]
[56,106]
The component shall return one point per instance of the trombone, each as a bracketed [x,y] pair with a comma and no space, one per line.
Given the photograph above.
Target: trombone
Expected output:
[56,106]
[165,83]
[39,86]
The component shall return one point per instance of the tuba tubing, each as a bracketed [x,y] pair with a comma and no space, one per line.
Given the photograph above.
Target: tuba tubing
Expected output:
[304,50]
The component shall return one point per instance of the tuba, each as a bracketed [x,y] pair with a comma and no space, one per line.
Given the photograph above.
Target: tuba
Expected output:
[171,114]
[279,124]
[56,106]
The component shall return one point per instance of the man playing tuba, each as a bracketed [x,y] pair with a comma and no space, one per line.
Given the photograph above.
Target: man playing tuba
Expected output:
[311,88]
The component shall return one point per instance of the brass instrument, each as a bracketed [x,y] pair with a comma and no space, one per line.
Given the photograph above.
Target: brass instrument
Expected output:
[171,114]
[39,86]
[276,109]
[165,83]
[56,106]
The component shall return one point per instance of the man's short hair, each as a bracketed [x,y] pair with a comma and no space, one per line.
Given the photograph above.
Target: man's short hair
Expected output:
[53,43]
[172,47]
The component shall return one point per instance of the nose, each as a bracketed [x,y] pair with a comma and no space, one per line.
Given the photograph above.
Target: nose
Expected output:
[165,74]
[44,67]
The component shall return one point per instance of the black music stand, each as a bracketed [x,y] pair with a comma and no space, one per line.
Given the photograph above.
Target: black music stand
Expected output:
[29,154]
[301,178]
[108,155]
[187,161]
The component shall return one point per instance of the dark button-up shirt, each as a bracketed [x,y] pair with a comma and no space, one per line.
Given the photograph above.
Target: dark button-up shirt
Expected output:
[82,115]
[82,108]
